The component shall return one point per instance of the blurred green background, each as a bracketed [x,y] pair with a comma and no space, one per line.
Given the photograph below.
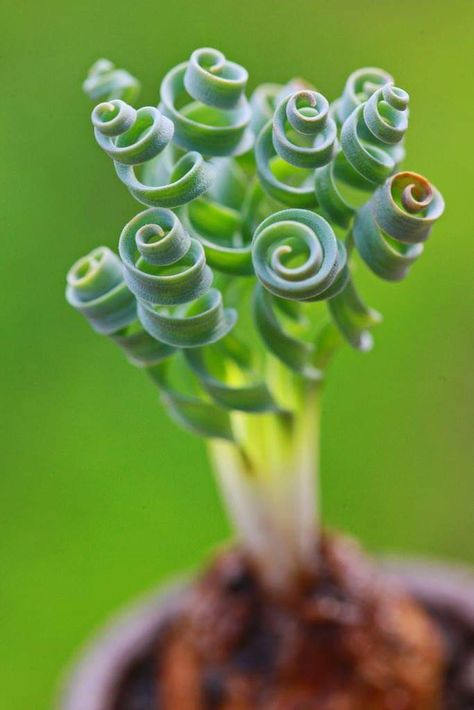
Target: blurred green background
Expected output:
[101,496]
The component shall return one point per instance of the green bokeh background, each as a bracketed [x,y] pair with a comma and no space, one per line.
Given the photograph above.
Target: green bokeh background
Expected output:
[101,496]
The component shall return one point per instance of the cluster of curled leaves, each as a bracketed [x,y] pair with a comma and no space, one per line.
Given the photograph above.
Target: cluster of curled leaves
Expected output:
[256,209]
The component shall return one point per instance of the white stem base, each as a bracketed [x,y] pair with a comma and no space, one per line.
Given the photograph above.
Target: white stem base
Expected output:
[268,481]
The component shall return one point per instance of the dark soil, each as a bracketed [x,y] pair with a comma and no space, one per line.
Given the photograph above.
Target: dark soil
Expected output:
[237,635]
[139,690]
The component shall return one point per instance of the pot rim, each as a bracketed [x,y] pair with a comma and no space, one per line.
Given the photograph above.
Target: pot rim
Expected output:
[92,680]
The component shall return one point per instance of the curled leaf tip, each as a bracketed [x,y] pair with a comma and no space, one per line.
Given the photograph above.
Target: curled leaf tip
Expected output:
[104,81]
[306,112]
[297,256]
[208,108]
[213,80]
[96,288]
[359,87]
[165,268]
[132,137]
[390,230]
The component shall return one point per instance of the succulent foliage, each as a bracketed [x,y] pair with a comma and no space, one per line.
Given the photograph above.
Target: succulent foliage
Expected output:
[233,289]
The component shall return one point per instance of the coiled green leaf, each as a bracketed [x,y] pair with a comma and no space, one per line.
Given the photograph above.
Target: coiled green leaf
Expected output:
[202,322]
[390,229]
[371,147]
[306,113]
[297,256]
[359,87]
[283,180]
[266,98]
[128,135]
[205,100]
[105,82]
[150,246]
[132,137]
[190,177]
[165,267]
[213,80]
[96,288]
[379,122]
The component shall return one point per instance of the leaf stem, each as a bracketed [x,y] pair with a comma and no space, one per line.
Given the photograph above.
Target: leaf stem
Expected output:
[269,484]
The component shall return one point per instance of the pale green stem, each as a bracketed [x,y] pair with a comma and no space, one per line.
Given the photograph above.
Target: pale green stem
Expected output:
[269,482]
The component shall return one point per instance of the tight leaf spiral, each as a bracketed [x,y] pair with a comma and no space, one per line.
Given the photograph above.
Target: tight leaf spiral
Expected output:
[373,127]
[306,236]
[306,113]
[300,137]
[373,117]
[96,288]
[165,267]
[133,137]
[215,116]
[390,229]
[359,87]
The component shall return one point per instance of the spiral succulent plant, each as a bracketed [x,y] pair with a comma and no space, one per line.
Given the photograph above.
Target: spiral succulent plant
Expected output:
[233,290]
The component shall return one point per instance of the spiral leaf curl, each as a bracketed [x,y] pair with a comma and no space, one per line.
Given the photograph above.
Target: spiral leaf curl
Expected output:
[105,82]
[359,87]
[216,115]
[213,80]
[165,267]
[390,229]
[371,146]
[307,114]
[131,137]
[371,128]
[266,98]
[96,288]
[309,144]
[293,234]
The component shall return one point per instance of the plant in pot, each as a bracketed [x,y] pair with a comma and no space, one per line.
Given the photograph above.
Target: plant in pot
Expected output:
[233,291]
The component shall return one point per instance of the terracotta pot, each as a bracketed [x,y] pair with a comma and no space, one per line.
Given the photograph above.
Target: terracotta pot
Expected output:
[116,660]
